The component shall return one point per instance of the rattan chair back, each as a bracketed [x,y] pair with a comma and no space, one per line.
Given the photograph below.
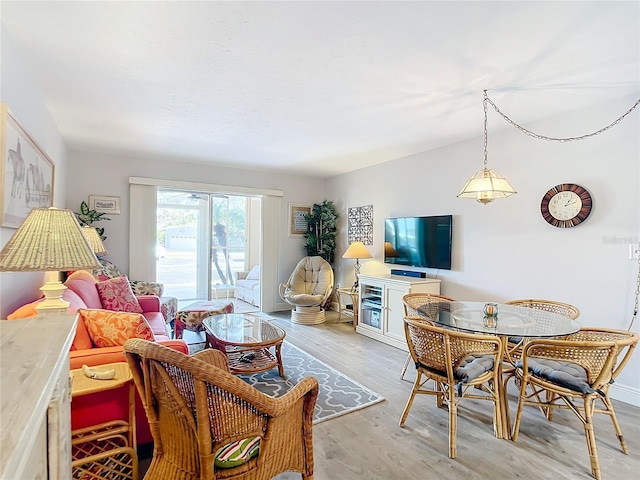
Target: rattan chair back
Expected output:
[412,301]
[438,353]
[602,353]
[548,306]
[195,406]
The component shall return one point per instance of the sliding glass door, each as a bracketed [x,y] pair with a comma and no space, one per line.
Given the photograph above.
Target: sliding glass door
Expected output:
[204,239]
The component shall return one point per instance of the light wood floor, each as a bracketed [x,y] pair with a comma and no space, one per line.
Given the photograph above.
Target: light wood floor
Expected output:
[369,444]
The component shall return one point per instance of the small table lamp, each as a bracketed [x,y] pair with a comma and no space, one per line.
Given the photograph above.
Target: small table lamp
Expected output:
[94,240]
[356,250]
[49,240]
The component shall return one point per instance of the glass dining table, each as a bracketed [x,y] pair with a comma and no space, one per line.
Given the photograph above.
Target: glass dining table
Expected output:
[513,324]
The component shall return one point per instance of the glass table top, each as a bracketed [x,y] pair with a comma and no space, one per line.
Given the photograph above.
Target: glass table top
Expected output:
[243,328]
[511,320]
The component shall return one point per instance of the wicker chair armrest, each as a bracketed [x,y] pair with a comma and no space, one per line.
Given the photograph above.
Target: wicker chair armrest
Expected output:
[307,389]
[282,289]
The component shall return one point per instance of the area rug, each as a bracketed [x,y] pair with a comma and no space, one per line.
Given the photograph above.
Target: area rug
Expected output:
[338,394]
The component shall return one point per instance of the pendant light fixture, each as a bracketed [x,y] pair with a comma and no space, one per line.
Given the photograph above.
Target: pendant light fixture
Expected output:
[486,185]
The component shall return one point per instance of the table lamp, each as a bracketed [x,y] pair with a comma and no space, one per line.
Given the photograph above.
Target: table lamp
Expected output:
[356,250]
[49,240]
[94,240]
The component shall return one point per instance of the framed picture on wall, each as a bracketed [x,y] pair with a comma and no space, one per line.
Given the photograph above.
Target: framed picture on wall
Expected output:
[26,172]
[104,204]
[297,219]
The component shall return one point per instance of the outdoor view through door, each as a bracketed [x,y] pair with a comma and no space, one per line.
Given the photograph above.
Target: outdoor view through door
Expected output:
[206,242]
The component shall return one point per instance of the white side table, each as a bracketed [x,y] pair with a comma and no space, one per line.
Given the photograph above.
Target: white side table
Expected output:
[343,309]
[228,289]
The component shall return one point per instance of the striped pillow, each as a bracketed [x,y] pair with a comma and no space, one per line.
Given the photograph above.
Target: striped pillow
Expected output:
[237,453]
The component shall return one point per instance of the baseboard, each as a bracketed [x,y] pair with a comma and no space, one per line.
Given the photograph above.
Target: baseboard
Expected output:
[626,394]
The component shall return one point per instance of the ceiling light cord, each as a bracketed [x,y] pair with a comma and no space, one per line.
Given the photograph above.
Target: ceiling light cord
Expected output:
[544,137]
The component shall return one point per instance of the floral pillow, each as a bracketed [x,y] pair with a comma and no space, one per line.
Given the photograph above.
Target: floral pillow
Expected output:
[116,294]
[113,329]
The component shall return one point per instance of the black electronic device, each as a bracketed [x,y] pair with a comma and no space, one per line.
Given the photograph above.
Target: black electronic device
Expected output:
[408,273]
[419,241]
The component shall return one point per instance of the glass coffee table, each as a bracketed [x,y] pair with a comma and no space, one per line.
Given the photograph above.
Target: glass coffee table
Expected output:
[246,339]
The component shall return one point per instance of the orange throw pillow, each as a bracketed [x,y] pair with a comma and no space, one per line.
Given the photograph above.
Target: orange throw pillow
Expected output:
[112,329]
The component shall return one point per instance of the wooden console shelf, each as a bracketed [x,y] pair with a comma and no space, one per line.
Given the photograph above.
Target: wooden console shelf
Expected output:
[381,309]
[35,408]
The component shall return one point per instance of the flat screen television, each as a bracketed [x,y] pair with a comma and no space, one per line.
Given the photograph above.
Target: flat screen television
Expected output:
[418,241]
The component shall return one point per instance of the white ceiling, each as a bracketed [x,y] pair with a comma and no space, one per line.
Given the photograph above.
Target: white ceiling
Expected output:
[317,87]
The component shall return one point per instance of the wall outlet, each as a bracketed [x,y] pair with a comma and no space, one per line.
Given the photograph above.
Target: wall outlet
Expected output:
[634,251]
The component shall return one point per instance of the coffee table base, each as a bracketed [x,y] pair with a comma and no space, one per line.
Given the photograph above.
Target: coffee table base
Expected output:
[252,361]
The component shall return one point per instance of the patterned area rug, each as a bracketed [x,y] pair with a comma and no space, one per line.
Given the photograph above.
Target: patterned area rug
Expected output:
[338,394]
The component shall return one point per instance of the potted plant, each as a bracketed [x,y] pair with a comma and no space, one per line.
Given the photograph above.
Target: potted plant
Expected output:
[320,238]
[88,216]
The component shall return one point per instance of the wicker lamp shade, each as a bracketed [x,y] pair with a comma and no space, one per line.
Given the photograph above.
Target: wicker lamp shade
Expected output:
[49,240]
[94,240]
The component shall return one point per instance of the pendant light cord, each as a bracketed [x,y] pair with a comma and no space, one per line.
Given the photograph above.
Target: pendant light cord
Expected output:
[544,137]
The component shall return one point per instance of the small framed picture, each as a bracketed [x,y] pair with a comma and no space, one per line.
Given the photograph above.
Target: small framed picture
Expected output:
[110,205]
[297,219]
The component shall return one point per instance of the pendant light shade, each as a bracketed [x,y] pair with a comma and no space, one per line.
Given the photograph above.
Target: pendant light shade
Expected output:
[487,185]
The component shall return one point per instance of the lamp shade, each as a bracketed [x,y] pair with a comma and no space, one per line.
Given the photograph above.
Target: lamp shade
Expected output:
[485,186]
[357,250]
[94,240]
[49,239]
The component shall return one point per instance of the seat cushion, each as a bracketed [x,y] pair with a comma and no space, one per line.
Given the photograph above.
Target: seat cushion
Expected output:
[116,294]
[237,453]
[566,374]
[110,329]
[472,367]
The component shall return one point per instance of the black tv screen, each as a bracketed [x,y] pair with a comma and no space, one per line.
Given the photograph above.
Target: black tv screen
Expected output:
[418,241]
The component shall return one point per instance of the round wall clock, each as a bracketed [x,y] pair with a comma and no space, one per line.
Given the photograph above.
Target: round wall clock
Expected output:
[566,205]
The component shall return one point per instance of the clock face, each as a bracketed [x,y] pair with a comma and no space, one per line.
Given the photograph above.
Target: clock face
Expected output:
[566,205]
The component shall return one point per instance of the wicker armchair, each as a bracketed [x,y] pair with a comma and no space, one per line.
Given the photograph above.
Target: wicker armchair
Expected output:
[411,303]
[198,411]
[581,366]
[514,347]
[462,363]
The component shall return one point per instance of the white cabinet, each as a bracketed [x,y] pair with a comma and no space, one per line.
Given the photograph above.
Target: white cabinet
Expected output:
[381,307]
[35,405]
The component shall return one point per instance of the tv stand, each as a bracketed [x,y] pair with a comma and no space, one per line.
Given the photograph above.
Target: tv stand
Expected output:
[381,310]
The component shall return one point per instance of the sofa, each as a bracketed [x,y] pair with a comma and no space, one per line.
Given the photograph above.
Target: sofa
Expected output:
[82,292]
[248,286]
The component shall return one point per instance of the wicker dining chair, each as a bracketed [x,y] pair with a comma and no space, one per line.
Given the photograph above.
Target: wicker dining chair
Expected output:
[202,417]
[411,303]
[581,366]
[463,365]
[514,347]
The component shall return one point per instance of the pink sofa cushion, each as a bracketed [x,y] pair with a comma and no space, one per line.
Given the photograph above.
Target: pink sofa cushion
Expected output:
[83,283]
[116,294]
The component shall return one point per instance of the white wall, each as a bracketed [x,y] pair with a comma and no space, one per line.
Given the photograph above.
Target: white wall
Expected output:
[19,92]
[505,250]
[93,173]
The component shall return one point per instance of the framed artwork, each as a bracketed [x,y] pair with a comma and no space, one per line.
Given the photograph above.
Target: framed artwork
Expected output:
[297,221]
[100,203]
[26,172]
[360,224]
